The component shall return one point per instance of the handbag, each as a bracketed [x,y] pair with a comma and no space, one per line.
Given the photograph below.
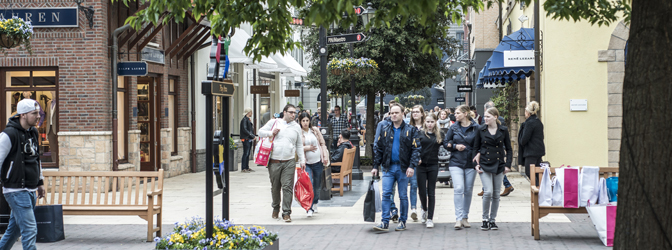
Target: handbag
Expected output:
[265,147]
[588,182]
[49,221]
[612,188]
[604,220]
[370,203]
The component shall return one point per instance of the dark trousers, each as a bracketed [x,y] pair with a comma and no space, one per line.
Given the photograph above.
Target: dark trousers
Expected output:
[532,160]
[247,147]
[427,175]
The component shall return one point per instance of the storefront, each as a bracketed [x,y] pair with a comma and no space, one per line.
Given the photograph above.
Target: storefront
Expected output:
[69,73]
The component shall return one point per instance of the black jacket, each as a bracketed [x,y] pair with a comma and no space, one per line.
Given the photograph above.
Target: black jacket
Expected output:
[430,148]
[531,139]
[337,156]
[454,136]
[246,128]
[409,150]
[494,148]
[21,168]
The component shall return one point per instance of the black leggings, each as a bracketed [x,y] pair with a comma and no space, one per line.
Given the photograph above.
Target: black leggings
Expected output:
[427,175]
[532,160]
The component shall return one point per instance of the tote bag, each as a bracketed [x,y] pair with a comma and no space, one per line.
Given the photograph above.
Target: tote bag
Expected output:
[49,221]
[263,152]
[545,192]
[588,182]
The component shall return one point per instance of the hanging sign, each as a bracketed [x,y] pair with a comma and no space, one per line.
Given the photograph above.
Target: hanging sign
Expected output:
[153,55]
[519,58]
[132,68]
[465,88]
[292,93]
[460,99]
[218,88]
[263,89]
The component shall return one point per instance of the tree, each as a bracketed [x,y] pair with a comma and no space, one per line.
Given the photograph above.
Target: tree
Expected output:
[403,67]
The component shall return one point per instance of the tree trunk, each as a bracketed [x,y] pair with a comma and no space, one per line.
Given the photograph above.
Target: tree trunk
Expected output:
[643,219]
[370,123]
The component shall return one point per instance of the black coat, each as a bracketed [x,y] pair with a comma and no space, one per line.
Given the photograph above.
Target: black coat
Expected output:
[494,149]
[246,128]
[337,156]
[454,136]
[409,150]
[531,139]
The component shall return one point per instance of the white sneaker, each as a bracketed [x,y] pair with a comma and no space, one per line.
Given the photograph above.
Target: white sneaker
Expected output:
[465,223]
[430,224]
[458,225]
[423,215]
[414,215]
[310,213]
[314,208]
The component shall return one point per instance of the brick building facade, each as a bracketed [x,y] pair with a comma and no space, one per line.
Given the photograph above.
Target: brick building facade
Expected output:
[69,73]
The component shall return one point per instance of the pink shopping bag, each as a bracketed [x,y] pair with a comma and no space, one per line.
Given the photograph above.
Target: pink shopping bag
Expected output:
[263,154]
[604,220]
[571,187]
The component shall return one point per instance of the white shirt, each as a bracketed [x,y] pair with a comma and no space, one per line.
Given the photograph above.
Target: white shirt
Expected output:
[287,143]
[312,157]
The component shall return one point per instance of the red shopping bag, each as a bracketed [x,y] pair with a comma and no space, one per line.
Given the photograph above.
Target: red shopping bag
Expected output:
[263,152]
[303,189]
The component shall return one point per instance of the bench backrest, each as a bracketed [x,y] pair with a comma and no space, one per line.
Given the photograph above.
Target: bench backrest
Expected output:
[348,160]
[605,172]
[100,188]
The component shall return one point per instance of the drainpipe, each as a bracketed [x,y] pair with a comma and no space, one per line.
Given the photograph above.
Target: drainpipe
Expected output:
[115,83]
[537,54]
[193,117]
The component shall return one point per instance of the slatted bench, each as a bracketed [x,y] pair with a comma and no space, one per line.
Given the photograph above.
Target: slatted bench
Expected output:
[107,193]
[539,212]
[346,170]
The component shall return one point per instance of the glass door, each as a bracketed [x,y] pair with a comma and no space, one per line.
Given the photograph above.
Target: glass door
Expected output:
[146,123]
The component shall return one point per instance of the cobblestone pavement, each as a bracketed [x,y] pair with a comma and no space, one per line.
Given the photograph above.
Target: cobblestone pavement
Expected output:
[515,235]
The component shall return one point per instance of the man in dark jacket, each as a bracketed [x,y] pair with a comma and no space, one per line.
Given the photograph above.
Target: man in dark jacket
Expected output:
[398,153]
[247,137]
[342,144]
[21,174]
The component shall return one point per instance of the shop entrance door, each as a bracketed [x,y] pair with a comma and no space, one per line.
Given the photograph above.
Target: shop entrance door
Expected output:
[148,123]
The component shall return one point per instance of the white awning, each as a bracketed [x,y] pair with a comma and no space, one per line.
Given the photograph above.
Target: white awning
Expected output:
[237,55]
[287,66]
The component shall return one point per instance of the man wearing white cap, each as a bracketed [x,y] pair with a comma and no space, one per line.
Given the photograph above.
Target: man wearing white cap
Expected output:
[21,174]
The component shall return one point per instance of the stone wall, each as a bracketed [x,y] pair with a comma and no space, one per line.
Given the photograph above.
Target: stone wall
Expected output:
[85,151]
[174,165]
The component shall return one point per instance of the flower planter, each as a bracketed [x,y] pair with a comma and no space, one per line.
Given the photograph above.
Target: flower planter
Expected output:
[8,42]
[336,72]
[275,246]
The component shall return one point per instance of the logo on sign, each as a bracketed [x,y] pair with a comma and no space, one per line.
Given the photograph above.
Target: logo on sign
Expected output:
[460,99]
[519,58]
[359,37]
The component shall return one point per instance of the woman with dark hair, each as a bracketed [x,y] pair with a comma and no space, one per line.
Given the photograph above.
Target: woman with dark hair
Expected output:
[531,139]
[317,156]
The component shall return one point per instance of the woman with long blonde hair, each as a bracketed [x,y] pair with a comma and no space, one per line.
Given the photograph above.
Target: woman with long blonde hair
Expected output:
[417,119]
[428,170]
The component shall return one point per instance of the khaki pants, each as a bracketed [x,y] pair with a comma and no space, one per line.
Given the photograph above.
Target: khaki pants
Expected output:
[282,178]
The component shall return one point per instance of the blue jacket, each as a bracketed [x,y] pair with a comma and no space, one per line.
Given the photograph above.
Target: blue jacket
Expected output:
[454,136]
[409,150]
[380,127]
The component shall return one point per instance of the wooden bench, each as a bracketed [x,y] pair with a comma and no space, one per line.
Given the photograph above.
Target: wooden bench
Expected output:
[107,193]
[346,170]
[539,212]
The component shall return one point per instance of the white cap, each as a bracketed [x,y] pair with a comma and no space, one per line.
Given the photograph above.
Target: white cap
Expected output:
[26,105]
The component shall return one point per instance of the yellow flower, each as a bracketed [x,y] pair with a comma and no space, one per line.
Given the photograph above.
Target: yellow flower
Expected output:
[271,243]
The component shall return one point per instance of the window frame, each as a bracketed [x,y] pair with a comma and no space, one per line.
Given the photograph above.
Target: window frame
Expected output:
[173,114]
[124,89]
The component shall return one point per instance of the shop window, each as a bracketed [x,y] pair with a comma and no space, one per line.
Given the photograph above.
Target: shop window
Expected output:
[40,85]
[172,114]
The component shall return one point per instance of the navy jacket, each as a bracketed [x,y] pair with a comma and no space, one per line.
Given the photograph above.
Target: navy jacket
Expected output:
[494,149]
[454,136]
[409,150]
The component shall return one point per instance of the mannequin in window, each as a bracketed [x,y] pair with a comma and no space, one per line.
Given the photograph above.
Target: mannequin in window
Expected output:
[52,128]
[28,94]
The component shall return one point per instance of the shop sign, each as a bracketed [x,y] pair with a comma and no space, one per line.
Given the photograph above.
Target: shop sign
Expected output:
[460,99]
[259,89]
[132,68]
[440,101]
[53,17]
[217,88]
[578,105]
[519,58]
[292,93]
[465,88]
[153,55]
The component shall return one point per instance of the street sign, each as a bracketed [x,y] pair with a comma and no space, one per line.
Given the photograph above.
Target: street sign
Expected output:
[217,88]
[460,99]
[292,93]
[153,55]
[132,68]
[359,10]
[465,88]
[346,38]
[440,101]
[259,89]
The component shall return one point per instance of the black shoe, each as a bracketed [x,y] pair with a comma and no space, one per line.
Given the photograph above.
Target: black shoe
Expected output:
[493,226]
[384,227]
[485,226]
[395,214]
[401,226]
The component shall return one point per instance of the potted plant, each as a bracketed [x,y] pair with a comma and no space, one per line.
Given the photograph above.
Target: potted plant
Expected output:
[191,235]
[15,32]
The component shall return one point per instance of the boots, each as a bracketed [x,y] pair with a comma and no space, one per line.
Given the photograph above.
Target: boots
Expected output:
[507,191]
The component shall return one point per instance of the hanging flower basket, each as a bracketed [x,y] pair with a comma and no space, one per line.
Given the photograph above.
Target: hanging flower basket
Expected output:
[336,72]
[15,32]
[353,67]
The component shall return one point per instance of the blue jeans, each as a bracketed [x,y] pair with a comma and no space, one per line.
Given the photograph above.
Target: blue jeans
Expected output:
[507,184]
[394,174]
[463,185]
[247,147]
[21,221]
[315,171]
[414,191]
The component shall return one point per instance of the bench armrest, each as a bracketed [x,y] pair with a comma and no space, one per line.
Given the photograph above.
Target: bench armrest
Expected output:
[156,192]
[337,163]
[534,189]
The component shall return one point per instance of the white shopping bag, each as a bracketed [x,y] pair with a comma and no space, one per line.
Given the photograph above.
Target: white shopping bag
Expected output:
[545,192]
[377,199]
[588,181]
[601,196]
[557,190]
[604,219]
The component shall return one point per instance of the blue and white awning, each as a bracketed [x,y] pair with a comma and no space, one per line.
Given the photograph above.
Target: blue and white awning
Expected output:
[513,59]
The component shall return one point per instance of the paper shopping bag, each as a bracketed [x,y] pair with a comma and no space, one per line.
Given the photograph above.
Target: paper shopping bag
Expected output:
[604,220]
[49,221]
[588,182]
[570,187]
[545,192]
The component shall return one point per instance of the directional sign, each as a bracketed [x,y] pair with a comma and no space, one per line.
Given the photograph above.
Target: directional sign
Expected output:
[132,68]
[465,88]
[346,38]
[359,10]
[460,99]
